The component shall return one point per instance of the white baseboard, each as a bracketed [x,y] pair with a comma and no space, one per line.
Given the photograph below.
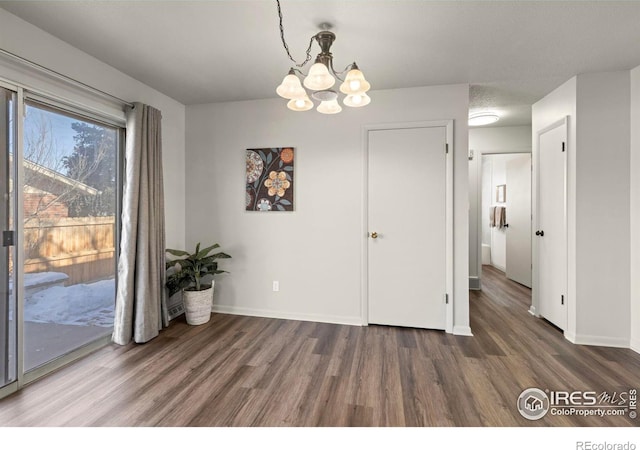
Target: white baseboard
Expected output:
[571,337]
[532,311]
[241,311]
[635,345]
[462,330]
[600,341]
[474,283]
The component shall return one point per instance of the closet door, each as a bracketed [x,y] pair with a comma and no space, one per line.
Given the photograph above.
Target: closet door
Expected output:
[407,192]
[551,229]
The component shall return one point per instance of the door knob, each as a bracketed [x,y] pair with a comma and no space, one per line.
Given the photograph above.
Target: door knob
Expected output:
[506,225]
[540,233]
[374,235]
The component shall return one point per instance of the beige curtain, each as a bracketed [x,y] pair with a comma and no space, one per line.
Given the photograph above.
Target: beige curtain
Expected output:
[140,300]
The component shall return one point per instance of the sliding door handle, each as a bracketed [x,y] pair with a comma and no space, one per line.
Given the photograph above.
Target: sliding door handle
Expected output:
[7,238]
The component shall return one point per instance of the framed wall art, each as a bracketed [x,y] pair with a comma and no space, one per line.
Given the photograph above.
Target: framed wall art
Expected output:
[269,179]
[501,193]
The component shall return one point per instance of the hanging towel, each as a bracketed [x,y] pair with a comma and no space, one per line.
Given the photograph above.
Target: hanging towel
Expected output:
[492,217]
[501,216]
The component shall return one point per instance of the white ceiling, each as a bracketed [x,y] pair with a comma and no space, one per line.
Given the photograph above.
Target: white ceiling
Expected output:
[511,52]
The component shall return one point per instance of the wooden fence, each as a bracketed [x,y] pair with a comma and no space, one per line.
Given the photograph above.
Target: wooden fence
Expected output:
[81,247]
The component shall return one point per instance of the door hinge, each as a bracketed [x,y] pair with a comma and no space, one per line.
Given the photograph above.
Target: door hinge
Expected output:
[7,238]
[446,298]
[562,299]
[563,146]
[446,147]
[470,155]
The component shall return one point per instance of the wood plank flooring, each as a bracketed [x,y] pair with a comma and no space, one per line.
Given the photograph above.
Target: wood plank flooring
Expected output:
[247,371]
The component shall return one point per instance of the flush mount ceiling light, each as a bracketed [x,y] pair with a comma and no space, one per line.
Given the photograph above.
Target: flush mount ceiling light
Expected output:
[483,119]
[321,78]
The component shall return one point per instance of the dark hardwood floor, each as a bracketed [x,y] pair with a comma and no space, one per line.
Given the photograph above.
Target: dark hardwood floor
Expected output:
[247,371]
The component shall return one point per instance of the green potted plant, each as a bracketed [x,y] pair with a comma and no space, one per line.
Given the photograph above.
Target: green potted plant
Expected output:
[186,273]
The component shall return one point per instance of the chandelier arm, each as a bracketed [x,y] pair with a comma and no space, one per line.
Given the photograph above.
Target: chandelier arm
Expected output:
[284,43]
[299,71]
[335,73]
[348,68]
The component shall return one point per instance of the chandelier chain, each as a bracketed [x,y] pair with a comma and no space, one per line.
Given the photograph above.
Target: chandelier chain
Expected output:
[284,43]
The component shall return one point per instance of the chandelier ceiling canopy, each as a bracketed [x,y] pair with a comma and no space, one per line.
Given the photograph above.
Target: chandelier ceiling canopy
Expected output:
[321,78]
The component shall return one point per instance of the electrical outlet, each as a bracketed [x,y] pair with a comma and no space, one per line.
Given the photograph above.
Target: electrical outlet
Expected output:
[276,286]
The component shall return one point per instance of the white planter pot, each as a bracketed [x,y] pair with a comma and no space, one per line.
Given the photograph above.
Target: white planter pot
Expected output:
[197,305]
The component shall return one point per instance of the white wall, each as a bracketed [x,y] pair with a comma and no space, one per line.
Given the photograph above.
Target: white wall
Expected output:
[487,141]
[602,208]
[635,210]
[32,43]
[314,252]
[557,105]
[598,216]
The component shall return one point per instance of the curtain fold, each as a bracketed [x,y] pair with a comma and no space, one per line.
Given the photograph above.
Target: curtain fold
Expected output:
[141,304]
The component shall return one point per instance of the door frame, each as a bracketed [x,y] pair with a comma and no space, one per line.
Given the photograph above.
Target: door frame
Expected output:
[22,93]
[535,203]
[479,154]
[5,204]
[364,236]
[17,231]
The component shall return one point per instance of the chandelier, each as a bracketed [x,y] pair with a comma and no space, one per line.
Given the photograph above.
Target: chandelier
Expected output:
[321,78]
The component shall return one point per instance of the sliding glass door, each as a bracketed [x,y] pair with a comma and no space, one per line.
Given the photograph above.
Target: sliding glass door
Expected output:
[70,202]
[60,196]
[8,318]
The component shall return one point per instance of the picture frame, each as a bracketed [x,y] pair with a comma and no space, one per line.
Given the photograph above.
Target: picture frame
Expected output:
[269,179]
[501,193]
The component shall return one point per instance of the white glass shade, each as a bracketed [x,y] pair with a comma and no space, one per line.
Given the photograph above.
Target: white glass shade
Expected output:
[483,119]
[330,107]
[357,100]
[319,78]
[355,83]
[300,104]
[291,88]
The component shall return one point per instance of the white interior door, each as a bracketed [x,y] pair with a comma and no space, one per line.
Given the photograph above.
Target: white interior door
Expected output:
[518,245]
[550,235]
[407,219]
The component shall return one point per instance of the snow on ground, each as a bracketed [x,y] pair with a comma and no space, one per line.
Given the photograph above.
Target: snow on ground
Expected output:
[80,304]
[34,279]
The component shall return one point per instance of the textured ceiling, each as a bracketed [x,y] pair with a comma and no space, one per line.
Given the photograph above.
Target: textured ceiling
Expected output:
[511,52]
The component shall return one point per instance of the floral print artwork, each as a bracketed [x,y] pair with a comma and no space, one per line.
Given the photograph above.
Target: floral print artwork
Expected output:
[277,183]
[269,179]
[254,166]
[264,205]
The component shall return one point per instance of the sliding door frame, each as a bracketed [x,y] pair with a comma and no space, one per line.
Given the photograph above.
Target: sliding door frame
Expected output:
[65,108]
[18,251]
[5,223]
[22,94]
